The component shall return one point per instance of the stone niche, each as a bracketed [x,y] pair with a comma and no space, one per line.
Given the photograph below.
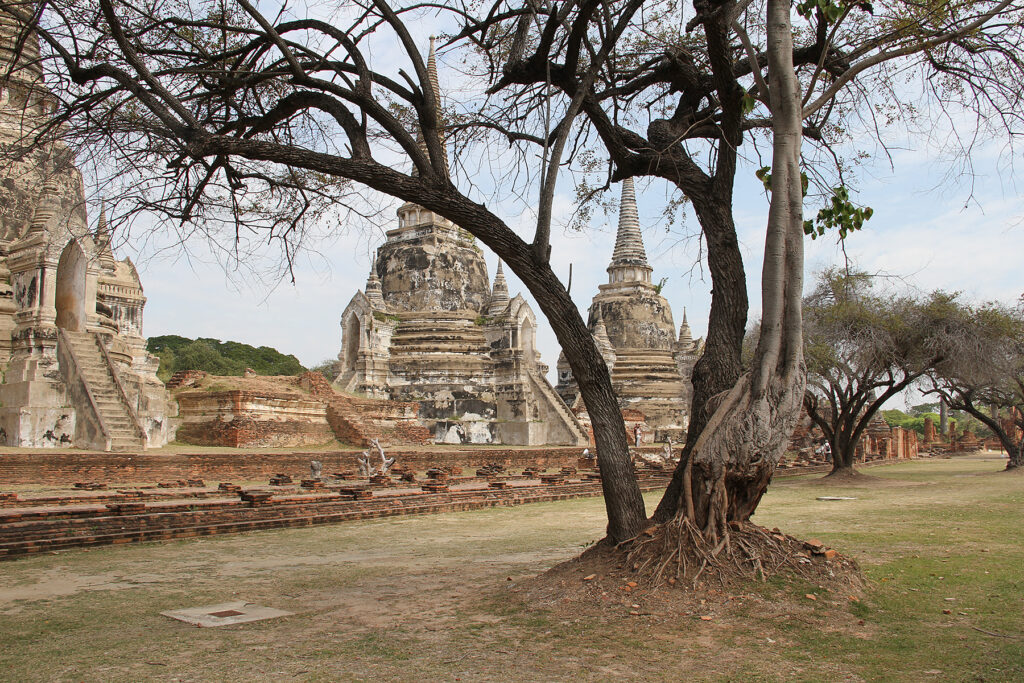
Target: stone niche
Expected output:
[251,419]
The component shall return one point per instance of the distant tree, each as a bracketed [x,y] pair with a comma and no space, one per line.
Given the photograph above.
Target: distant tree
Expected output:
[219,358]
[863,348]
[982,373]
[200,355]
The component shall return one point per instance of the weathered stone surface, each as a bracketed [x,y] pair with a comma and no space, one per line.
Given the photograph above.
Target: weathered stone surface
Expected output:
[240,418]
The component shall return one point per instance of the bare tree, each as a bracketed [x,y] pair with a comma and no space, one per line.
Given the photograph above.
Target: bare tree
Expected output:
[983,371]
[862,348]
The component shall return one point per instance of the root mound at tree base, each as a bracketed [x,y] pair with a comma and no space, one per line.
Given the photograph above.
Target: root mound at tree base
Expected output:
[666,558]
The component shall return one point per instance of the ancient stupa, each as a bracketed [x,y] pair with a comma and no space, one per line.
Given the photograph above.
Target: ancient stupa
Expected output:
[632,326]
[429,328]
[75,365]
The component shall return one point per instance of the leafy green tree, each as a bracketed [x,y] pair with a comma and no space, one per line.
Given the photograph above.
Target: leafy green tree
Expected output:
[862,348]
[200,355]
[219,358]
[982,373]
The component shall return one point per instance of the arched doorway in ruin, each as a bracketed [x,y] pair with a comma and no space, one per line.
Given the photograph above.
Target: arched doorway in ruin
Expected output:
[527,335]
[70,290]
[351,333]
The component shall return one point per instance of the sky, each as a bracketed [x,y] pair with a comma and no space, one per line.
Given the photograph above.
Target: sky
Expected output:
[933,228]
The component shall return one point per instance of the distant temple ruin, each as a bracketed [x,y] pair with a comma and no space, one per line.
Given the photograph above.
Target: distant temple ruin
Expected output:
[633,328]
[429,328]
[74,360]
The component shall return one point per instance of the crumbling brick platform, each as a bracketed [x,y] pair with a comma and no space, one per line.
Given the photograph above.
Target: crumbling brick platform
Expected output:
[116,469]
[40,528]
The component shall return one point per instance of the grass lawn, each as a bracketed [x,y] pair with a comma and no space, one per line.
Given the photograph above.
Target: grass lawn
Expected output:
[429,598]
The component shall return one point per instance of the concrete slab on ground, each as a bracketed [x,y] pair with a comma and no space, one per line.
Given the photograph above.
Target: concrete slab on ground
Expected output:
[225,614]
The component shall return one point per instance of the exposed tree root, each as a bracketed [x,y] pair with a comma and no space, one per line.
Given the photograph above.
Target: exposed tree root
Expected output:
[678,553]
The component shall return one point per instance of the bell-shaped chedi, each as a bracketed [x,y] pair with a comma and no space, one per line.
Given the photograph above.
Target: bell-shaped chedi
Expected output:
[429,328]
[636,320]
[75,366]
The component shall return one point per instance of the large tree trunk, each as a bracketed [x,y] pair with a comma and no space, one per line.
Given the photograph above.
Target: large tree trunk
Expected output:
[844,454]
[734,456]
[623,501]
[1016,456]
[719,367]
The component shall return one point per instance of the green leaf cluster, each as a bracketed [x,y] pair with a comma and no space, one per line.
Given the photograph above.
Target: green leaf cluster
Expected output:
[830,9]
[840,214]
[178,353]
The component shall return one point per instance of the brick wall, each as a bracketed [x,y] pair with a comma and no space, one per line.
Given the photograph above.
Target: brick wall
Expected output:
[66,468]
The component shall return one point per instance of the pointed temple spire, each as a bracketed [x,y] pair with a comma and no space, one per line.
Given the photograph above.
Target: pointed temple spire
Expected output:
[432,73]
[685,334]
[373,287]
[499,293]
[629,260]
[103,239]
[435,85]
[102,229]
[629,244]
[410,214]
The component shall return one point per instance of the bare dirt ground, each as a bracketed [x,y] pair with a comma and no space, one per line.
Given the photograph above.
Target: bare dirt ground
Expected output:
[457,597]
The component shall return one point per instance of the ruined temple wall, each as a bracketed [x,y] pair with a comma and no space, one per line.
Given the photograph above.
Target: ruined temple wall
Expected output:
[65,468]
[251,419]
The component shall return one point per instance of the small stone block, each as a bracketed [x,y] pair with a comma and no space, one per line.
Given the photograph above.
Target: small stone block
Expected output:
[435,488]
[498,484]
[255,498]
[225,614]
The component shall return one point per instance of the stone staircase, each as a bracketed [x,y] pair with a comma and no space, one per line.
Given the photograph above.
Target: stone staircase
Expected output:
[546,392]
[118,422]
[357,420]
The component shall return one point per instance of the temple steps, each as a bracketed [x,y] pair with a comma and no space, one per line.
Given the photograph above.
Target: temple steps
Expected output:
[117,420]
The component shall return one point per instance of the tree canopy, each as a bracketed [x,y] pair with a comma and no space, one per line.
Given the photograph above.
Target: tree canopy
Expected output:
[982,372]
[178,353]
[863,347]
